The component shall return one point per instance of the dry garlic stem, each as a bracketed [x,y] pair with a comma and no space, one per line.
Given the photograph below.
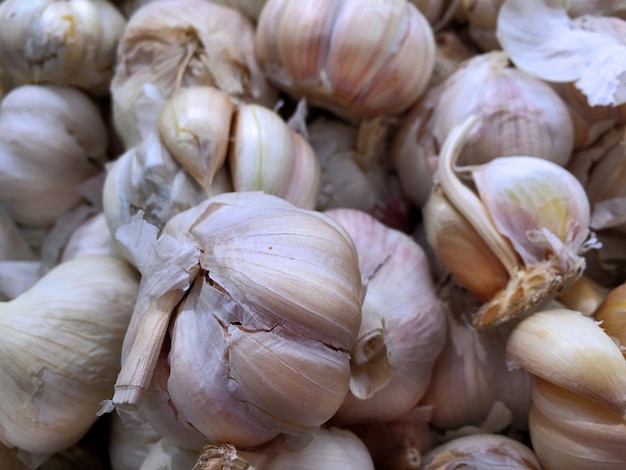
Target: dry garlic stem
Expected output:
[60,353]
[184,43]
[589,50]
[358,59]
[529,213]
[52,140]
[488,451]
[517,115]
[403,326]
[573,352]
[263,303]
[63,42]
[568,430]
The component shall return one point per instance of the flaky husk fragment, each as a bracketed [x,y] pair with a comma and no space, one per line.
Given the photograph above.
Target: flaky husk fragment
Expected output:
[61,42]
[184,43]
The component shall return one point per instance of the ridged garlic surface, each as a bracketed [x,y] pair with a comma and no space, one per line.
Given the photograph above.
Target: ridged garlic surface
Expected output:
[62,42]
[358,59]
[60,353]
[52,140]
[259,343]
[403,324]
[172,45]
[517,113]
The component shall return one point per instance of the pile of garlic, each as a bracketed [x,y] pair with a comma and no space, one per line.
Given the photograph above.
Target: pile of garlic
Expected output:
[289,234]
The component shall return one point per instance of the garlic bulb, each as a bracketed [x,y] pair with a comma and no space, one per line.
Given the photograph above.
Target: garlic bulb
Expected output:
[91,238]
[63,42]
[403,326]
[572,351]
[52,140]
[611,314]
[481,451]
[60,353]
[588,50]
[180,44]
[164,455]
[569,431]
[471,378]
[451,51]
[325,448]
[256,348]
[129,445]
[530,216]
[357,59]
[13,246]
[250,8]
[517,115]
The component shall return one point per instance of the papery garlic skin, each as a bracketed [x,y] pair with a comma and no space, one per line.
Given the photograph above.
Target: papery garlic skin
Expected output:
[481,451]
[52,140]
[518,115]
[62,42]
[260,344]
[357,59]
[569,431]
[402,317]
[572,351]
[184,43]
[60,354]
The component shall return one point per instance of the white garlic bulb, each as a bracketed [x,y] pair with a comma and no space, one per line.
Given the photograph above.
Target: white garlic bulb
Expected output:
[52,140]
[357,59]
[179,44]
[63,42]
[259,343]
[60,353]
[403,325]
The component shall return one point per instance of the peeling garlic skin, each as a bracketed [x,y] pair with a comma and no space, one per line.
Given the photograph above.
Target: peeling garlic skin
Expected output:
[357,59]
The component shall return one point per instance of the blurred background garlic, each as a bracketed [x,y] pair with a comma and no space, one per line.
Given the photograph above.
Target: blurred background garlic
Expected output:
[329,447]
[207,145]
[353,178]
[482,451]
[255,348]
[439,12]
[52,140]
[357,59]
[60,353]
[481,17]
[517,115]
[403,325]
[173,45]
[62,42]
[128,446]
[522,226]
[250,8]
[471,384]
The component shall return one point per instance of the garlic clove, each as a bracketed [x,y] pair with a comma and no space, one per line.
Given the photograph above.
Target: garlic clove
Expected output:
[588,50]
[346,57]
[266,155]
[194,125]
[481,451]
[585,296]
[611,314]
[568,430]
[572,351]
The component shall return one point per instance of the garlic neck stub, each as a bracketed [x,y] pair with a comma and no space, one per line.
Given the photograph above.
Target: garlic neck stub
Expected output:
[403,325]
[60,42]
[357,59]
[531,213]
[60,354]
[176,44]
[265,307]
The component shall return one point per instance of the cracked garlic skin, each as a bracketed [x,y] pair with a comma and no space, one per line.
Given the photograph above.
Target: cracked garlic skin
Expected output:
[358,59]
[403,325]
[260,343]
[173,45]
[60,351]
[529,214]
[62,42]
[52,140]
